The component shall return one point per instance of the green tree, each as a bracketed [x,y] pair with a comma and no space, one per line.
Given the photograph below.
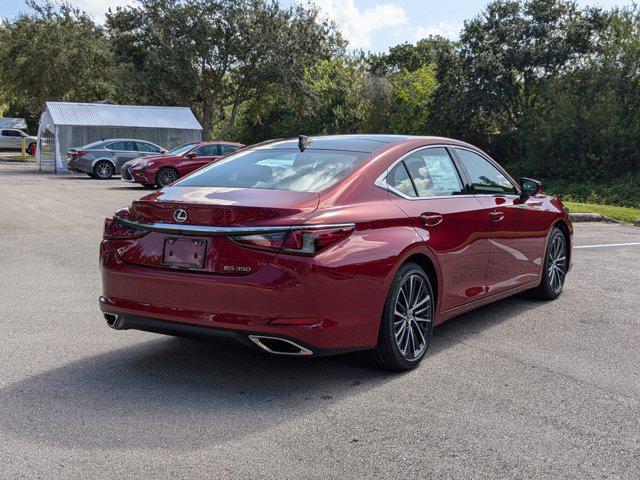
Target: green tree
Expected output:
[413,98]
[330,100]
[54,52]
[507,55]
[215,55]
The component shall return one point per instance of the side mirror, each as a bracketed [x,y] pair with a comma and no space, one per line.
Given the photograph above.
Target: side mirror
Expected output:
[191,155]
[163,150]
[529,187]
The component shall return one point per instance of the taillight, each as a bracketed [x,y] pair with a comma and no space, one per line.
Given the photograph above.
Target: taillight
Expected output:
[296,242]
[267,241]
[79,153]
[310,242]
[115,230]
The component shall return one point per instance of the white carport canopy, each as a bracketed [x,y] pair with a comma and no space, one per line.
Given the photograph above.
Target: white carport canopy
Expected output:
[64,125]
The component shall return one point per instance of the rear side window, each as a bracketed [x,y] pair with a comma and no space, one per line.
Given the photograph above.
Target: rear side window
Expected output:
[227,149]
[123,146]
[278,169]
[484,177]
[398,179]
[430,171]
[147,147]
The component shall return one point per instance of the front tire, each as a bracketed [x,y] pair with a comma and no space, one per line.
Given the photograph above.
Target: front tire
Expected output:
[103,170]
[166,176]
[407,321]
[555,267]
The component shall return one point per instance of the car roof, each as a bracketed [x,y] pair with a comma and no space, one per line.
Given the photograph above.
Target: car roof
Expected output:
[217,142]
[367,143]
[125,140]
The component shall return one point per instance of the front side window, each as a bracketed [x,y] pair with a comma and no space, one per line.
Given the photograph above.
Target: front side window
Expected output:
[11,133]
[278,169]
[485,178]
[207,151]
[433,173]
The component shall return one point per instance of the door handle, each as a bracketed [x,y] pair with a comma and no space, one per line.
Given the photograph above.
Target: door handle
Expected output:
[431,219]
[496,216]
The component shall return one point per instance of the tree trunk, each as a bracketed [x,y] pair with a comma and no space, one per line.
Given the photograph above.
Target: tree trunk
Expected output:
[207,119]
[232,118]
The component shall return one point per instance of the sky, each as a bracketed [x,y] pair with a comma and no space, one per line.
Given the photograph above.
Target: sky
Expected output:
[372,25]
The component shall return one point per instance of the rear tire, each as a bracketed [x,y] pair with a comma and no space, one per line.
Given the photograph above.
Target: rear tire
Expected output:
[103,170]
[555,267]
[165,176]
[407,321]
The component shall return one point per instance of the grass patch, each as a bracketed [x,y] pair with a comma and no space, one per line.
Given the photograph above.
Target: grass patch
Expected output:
[622,192]
[624,214]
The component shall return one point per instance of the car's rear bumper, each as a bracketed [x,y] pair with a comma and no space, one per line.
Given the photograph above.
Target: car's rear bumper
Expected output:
[79,167]
[253,339]
[308,310]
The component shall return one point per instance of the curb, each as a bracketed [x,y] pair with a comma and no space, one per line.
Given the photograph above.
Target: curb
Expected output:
[17,160]
[592,217]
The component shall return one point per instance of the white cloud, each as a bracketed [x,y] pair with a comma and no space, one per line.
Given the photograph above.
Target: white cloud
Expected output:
[98,8]
[444,29]
[357,25]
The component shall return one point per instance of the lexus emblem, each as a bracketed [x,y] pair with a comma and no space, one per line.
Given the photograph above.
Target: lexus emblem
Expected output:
[180,215]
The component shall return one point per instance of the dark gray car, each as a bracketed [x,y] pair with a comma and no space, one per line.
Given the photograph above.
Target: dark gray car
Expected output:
[103,159]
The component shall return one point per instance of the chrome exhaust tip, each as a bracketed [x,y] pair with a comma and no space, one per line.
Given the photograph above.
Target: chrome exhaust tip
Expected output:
[113,321]
[279,346]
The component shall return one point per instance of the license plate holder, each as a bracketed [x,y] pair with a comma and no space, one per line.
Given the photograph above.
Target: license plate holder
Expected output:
[187,253]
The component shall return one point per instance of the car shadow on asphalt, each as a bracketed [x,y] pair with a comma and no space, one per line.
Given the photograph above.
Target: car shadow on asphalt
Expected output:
[182,394]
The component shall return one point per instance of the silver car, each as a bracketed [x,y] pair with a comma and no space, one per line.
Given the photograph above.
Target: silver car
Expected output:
[104,159]
[11,139]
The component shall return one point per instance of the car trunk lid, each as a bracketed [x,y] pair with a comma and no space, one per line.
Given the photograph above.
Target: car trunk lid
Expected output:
[226,208]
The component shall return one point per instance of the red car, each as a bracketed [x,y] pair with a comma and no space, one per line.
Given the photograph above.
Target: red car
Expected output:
[330,244]
[161,170]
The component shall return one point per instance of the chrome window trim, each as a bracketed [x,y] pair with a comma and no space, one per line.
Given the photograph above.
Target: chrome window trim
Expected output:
[381,181]
[216,231]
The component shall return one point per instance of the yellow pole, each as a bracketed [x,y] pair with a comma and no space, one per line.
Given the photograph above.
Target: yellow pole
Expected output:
[24,149]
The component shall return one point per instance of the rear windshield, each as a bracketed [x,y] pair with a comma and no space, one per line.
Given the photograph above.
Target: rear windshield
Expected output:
[94,144]
[278,169]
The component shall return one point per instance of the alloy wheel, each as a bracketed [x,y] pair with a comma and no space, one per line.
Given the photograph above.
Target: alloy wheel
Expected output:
[557,263]
[165,177]
[104,170]
[412,317]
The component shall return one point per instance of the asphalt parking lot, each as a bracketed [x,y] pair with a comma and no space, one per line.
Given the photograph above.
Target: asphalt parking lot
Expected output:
[518,389]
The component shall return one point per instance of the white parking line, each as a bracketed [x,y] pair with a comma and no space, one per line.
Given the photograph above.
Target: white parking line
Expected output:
[605,245]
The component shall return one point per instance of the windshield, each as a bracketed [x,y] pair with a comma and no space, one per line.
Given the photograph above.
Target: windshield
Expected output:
[181,149]
[278,169]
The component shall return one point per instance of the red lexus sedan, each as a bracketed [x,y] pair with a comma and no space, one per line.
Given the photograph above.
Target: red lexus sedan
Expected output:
[331,244]
[161,170]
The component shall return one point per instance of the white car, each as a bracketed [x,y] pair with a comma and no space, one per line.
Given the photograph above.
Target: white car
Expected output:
[11,139]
